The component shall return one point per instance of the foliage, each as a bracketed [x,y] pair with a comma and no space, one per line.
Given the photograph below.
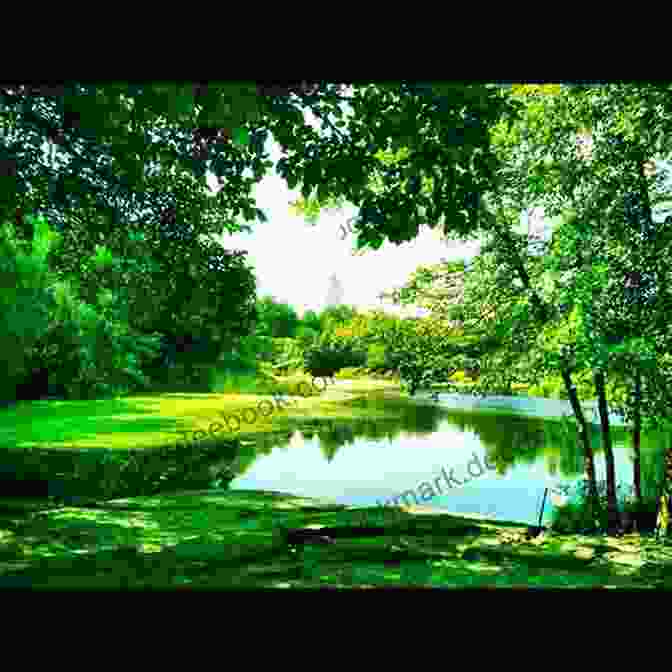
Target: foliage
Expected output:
[141,152]
[311,320]
[194,290]
[574,517]
[91,353]
[325,359]
[311,207]
[333,317]
[306,336]
[25,299]
[421,156]
[287,350]
[276,319]
[87,349]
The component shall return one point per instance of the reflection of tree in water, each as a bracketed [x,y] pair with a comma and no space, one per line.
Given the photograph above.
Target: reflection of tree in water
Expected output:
[333,437]
[507,440]
[562,441]
[332,434]
[653,445]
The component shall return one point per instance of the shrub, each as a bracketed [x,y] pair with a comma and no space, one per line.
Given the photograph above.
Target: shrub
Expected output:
[326,359]
[575,517]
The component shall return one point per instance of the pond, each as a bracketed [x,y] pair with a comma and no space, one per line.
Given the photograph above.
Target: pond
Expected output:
[460,454]
[501,462]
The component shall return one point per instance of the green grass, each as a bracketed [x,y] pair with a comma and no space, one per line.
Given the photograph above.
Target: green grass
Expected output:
[208,539]
[156,420]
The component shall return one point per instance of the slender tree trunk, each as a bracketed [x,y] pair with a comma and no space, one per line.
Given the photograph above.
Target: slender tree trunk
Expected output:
[584,435]
[613,517]
[663,519]
[542,311]
[636,440]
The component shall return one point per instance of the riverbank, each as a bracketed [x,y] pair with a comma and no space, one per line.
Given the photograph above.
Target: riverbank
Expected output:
[226,539]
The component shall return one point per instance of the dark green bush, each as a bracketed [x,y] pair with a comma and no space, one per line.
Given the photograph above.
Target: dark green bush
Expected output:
[575,517]
[326,359]
[25,301]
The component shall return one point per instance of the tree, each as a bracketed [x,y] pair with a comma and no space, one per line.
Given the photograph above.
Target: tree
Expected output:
[336,315]
[607,185]
[145,150]
[134,151]
[406,154]
[56,339]
[192,291]
[311,320]
[509,310]
[25,300]
[276,319]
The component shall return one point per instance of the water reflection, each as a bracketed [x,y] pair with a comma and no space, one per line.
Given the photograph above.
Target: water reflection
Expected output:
[364,461]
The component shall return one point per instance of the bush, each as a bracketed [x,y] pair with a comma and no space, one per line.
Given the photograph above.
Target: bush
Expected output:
[325,360]
[575,517]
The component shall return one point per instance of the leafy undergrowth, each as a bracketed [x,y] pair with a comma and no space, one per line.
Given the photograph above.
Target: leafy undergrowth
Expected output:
[230,539]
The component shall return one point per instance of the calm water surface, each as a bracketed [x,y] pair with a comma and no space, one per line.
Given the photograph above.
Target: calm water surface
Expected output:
[368,462]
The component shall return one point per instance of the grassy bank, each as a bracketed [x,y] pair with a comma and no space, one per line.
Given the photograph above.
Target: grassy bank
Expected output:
[160,420]
[263,539]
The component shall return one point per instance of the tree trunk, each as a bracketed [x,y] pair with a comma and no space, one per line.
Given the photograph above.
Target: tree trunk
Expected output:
[662,522]
[584,434]
[613,517]
[636,440]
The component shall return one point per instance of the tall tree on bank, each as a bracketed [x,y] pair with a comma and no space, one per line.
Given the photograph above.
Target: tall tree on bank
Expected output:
[608,187]
[524,308]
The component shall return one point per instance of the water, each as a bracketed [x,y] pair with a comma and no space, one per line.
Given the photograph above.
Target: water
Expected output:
[364,463]
[501,461]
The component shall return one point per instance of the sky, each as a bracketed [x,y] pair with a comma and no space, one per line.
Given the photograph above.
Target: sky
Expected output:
[294,261]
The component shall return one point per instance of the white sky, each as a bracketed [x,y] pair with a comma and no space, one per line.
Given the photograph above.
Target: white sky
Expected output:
[293,261]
